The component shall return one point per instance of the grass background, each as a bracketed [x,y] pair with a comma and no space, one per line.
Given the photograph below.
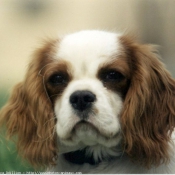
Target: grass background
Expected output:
[10,161]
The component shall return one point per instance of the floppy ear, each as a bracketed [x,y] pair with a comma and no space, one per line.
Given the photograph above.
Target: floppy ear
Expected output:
[148,116]
[29,114]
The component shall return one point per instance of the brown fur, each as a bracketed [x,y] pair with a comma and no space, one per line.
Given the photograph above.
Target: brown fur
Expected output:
[148,116]
[29,114]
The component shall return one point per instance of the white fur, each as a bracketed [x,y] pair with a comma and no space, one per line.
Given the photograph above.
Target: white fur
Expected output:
[85,52]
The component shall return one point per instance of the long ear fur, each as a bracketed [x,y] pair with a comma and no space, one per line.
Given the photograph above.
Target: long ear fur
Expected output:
[29,114]
[148,117]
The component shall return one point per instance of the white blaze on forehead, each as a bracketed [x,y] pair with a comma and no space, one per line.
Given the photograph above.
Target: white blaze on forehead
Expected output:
[87,49]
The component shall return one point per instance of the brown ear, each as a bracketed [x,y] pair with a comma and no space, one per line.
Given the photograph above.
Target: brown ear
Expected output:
[148,117]
[29,114]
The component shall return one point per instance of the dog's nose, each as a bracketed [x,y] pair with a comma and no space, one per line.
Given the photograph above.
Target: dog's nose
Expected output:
[82,100]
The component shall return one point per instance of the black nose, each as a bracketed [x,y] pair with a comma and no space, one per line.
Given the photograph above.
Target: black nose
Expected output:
[82,100]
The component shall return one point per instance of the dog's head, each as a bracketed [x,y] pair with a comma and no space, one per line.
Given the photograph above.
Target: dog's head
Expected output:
[94,89]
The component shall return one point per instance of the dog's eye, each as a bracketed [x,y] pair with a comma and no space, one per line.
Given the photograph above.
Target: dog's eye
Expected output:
[112,76]
[58,79]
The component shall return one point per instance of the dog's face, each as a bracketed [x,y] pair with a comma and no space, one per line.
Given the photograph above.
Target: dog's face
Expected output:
[90,101]
[95,89]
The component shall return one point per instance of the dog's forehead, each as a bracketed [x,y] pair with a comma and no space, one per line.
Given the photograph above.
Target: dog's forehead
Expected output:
[86,50]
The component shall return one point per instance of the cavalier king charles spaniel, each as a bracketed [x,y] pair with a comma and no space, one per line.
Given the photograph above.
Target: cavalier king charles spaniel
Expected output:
[95,102]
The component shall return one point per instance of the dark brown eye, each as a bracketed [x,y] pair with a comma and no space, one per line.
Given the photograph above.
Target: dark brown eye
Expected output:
[58,79]
[112,76]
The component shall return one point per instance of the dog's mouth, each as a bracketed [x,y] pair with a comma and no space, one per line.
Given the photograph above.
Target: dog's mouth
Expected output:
[83,126]
[88,134]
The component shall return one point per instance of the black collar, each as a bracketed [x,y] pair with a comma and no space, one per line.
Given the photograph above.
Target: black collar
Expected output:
[80,157]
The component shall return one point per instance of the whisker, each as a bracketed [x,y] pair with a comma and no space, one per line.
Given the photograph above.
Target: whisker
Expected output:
[39,73]
[50,120]
[45,89]
[50,136]
[56,95]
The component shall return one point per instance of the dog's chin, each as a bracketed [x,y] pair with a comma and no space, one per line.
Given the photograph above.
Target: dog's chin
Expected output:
[88,145]
[85,134]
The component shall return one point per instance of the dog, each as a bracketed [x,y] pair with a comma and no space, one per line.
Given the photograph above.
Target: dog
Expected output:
[95,102]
